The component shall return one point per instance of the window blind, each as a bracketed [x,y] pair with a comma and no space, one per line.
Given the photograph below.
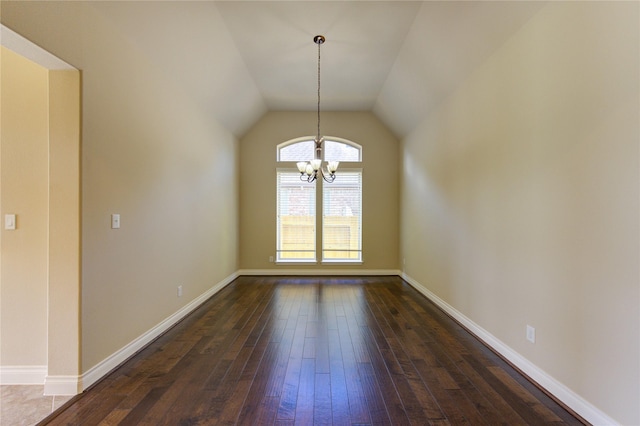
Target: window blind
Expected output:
[296,227]
[342,218]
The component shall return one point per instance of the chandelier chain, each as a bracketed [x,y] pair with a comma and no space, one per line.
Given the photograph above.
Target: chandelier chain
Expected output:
[319,91]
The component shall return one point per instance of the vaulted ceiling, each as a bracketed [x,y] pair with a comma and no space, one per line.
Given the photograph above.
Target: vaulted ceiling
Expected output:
[396,58]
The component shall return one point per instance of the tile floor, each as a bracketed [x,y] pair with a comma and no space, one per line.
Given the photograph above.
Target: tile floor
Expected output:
[25,405]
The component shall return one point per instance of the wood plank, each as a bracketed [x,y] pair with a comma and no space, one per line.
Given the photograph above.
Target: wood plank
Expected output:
[322,410]
[306,392]
[525,396]
[392,400]
[250,410]
[268,410]
[358,411]
[339,394]
[136,415]
[373,395]
[289,393]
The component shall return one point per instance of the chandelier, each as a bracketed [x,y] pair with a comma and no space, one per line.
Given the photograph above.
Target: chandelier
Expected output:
[309,171]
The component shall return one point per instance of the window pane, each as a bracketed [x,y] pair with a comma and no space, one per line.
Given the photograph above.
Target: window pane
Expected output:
[340,151]
[342,218]
[298,151]
[296,239]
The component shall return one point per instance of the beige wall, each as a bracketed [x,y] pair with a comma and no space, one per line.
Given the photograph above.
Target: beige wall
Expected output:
[154,155]
[164,165]
[258,185]
[520,205]
[63,349]
[24,192]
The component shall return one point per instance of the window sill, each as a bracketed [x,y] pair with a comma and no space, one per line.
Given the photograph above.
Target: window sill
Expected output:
[313,262]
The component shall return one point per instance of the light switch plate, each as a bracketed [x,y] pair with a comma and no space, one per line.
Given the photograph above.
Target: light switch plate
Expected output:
[10,222]
[115,221]
[531,334]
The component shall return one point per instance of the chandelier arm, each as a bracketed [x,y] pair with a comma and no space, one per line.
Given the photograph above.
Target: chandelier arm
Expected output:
[327,175]
[331,178]
[309,178]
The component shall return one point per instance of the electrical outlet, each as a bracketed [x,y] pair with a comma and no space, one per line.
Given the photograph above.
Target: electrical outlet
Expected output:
[179,291]
[271,259]
[531,334]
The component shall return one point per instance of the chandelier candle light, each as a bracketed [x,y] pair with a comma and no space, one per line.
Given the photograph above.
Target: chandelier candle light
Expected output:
[309,170]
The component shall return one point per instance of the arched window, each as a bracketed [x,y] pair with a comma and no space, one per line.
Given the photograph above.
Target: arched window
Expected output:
[334,149]
[340,225]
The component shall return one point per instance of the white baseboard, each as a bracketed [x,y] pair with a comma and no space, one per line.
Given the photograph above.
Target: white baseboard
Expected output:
[37,375]
[574,401]
[103,368]
[22,374]
[62,385]
[319,272]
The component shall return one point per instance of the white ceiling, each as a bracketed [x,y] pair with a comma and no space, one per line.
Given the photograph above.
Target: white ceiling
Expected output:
[238,58]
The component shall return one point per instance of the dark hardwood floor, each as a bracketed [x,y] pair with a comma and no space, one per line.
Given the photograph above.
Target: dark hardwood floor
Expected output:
[320,350]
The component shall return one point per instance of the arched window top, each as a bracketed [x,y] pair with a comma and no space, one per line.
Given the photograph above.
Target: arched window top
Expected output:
[333,149]
[336,149]
[300,149]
